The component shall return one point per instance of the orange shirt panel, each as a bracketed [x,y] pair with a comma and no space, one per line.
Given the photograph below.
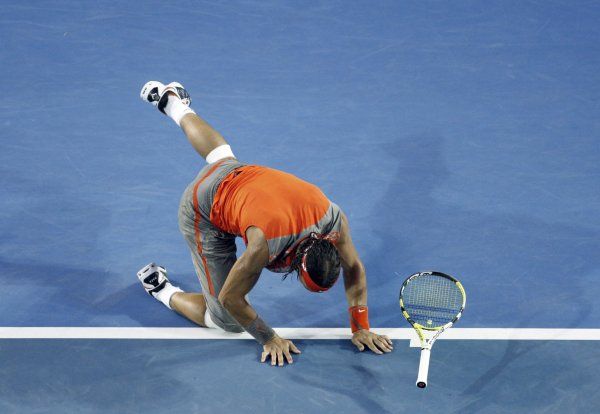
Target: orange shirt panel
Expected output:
[279,203]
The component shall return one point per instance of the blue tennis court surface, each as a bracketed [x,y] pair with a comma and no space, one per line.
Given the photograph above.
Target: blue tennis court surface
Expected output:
[225,376]
[456,136]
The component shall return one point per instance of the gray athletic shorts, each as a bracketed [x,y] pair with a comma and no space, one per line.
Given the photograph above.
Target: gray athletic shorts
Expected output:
[213,251]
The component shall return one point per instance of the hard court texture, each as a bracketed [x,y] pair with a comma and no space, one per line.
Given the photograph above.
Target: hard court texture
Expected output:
[456,136]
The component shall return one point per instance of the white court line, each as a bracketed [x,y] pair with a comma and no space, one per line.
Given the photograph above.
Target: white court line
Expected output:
[520,334]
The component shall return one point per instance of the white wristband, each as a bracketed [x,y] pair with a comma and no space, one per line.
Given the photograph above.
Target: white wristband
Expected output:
[222,151]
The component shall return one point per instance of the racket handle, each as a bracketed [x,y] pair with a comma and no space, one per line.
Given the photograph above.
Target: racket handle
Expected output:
[423,368]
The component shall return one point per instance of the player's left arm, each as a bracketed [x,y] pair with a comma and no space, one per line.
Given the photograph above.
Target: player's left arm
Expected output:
[355,283]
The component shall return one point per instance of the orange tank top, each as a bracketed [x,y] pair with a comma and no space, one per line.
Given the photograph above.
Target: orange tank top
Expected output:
[278,203]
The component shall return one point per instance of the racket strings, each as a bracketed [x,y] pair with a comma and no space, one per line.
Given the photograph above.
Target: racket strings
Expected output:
[432,301]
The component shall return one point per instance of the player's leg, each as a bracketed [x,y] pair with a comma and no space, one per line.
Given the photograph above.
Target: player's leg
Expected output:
[212,267]
[213,255]
[191,306]
[213,251]
[173,100]
[188,304]
[204,138]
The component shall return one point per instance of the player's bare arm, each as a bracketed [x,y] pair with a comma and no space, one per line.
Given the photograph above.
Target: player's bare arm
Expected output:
[355,283]
[243,276]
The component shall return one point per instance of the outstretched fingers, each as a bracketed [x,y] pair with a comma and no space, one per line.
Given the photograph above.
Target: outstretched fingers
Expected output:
[358,344]
[294,349]
[371,344]
[378,344]
[273,357]
[280,351]
[382,344]
[388,340]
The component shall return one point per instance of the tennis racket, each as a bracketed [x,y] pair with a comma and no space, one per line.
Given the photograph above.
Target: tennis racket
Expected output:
[431,302]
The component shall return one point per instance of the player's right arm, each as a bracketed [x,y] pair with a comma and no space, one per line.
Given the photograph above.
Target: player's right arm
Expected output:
[243,276]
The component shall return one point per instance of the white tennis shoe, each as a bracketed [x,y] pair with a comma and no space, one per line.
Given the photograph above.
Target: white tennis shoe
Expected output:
[153,278]
[158,94]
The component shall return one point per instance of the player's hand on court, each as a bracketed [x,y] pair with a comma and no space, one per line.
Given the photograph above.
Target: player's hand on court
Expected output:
[278,349]
[376,343]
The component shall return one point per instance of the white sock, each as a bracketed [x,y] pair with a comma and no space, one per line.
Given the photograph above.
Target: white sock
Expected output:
[165,294]
[176,110]
[222,151]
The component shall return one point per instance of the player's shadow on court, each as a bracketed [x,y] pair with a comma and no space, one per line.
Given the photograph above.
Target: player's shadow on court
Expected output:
[513,265]
[345,379]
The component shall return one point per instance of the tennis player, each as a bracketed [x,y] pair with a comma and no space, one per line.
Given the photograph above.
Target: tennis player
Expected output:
[287,224]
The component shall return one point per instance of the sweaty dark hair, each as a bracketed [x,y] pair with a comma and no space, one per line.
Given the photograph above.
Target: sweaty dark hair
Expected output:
[322,261]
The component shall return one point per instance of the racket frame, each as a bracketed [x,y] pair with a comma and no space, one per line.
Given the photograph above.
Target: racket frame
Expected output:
[427,343]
